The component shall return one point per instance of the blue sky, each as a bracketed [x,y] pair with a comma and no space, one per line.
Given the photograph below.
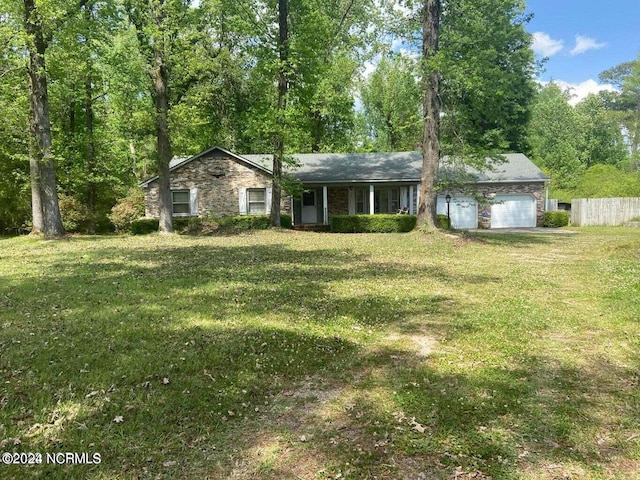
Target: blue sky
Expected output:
[581,38]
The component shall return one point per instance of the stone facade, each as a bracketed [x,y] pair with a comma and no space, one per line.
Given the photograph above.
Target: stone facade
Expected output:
[217,178]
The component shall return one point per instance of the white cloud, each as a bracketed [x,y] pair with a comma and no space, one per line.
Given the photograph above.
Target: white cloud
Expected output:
[370,67]
[546,46]
[405,49]
[584,44]
[580,91]
[397,43]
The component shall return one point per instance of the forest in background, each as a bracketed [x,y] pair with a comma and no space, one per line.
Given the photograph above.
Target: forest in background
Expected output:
[353,74]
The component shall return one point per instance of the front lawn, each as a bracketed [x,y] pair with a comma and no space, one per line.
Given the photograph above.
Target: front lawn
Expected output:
[285,354]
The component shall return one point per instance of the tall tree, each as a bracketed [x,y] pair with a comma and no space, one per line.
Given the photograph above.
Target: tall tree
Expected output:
[391,102]
[15,207]
[39,33]
[603,139]
[556,136]
[488,71]
[79,95]
[328,43]
[487,75]
[90,147]
[317,63]
[210,96]
[330,39]
[158,23]
[626,103]
[283,88]
[431,112]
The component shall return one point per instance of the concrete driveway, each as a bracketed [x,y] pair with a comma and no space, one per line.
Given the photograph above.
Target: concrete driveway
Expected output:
[537,230]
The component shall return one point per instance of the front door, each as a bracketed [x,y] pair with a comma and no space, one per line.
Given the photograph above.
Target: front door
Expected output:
[309,207]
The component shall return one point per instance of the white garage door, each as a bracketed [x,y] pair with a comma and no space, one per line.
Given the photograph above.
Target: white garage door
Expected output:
[513,211]
[463,211]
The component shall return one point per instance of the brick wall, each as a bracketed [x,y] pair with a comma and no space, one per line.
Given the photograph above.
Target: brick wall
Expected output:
[338,199]
[218,179]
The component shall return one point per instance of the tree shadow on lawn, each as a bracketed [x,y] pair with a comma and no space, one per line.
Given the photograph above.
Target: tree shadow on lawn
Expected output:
[218,283]
[515,239]
[483,423]
[196,348]
[179,344]
[152,401]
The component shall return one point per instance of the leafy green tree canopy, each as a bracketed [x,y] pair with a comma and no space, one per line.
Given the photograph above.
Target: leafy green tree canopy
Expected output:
[556,137]
[391,102]
[601,181]
[625,104]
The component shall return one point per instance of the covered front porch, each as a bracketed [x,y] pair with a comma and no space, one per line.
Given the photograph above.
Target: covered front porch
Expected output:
[319,202]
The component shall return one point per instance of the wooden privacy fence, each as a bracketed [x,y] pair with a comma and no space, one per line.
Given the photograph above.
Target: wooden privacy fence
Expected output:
[587,212]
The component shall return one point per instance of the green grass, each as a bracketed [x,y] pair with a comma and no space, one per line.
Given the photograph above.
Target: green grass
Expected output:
[285,354]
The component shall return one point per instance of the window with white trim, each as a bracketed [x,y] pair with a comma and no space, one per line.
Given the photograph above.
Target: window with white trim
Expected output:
[256,201]
[181,200]
[387,200]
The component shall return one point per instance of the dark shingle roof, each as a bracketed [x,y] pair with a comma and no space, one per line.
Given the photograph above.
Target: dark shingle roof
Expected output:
[396,167]
[380,167]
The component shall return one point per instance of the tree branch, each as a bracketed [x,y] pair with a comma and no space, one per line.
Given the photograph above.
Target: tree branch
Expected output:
[10,70]
[338,30]
[259,22]
[344,17]
[57,24]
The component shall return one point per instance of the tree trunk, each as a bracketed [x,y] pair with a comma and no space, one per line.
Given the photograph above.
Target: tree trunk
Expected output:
[283,86]
[72,117]
[393,137]
[90,154]
[36,197]
[91,150]
[161,94]
[317,131]
[44,194]
[431,112]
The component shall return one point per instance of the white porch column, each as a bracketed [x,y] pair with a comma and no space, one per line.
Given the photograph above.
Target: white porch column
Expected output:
[412,208]
[417,196]
[325,205]
[372,200]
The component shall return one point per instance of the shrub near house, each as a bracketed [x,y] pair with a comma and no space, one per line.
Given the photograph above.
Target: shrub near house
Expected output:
[195,225]
[556,219]
[372,223]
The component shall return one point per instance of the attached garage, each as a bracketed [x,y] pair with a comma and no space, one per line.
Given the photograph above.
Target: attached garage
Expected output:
[463,211]
[512,211]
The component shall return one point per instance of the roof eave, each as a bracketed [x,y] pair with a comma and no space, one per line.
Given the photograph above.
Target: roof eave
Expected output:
[529,180]
[415,180]
[354,181]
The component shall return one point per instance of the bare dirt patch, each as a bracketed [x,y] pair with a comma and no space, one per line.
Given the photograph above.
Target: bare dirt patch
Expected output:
[421,344]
